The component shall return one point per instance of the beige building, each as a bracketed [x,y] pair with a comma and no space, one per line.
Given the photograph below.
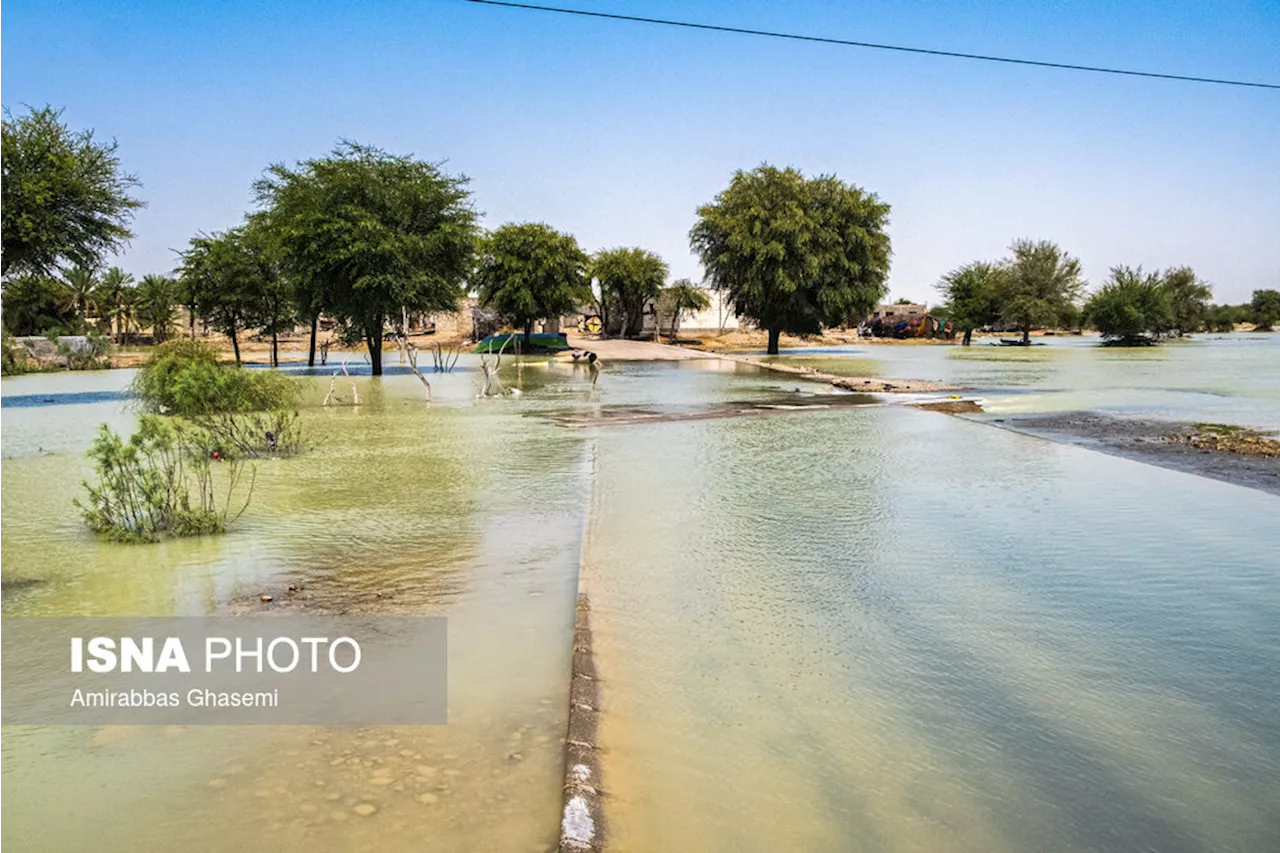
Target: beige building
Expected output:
[890,314]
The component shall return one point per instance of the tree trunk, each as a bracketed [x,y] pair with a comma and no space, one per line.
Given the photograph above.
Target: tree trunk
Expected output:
[774,336]
[1026,335]
[275,348]
[968,336]
[311,353]
[191,313]
[528,334]
[374,341]
[235,342]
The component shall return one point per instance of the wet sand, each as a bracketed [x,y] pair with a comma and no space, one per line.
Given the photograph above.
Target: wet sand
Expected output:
[1169,444]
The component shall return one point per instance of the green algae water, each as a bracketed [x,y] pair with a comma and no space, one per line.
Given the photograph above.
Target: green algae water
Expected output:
[469,509]
[465,510]
[847,628]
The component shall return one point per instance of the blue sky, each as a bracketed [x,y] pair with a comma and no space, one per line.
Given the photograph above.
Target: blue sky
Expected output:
[617,132]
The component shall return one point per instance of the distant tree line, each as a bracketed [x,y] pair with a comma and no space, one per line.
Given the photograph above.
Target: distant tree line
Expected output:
[1039,285]
[366,238]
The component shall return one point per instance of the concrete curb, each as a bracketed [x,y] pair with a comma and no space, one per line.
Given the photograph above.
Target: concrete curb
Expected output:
[581,822]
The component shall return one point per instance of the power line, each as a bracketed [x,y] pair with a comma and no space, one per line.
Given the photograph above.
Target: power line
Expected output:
[872,45]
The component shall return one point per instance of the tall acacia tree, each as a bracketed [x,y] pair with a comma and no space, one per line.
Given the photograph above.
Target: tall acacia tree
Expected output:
[66,200]
[972,296]
[374,234]
[1188,299]
[1040,286]
[220,276]
[531,271]
[792,253]
[628,279]
[273,295]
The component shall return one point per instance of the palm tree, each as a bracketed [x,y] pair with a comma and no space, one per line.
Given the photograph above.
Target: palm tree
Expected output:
[157,294]
[683,296]
[129,307]
[82,281]
[111,294]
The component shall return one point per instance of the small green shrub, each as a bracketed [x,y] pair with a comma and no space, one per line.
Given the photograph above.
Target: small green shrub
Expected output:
[245,412]
[94,355]
[160,483]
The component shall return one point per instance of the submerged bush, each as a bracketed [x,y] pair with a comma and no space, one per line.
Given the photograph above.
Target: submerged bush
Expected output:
[160,483]
[1131,308]
[245,412]
[94,355]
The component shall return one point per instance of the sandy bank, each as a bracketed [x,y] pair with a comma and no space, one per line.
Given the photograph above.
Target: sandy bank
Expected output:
[623,350]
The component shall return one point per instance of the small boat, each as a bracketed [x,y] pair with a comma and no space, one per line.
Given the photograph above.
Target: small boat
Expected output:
[513,343]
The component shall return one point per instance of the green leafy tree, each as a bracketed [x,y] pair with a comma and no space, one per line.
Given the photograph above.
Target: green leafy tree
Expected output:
[35,304]
[972,294]
[628,279]
[681,297]
[66,201]
[82,284]
[276,309]
[158,295]
[531,271]
[1265,308]
[1223,318]
[794,254]
[1040,286]
[1188,299]
[371,235]
[222,274]
[1132,307]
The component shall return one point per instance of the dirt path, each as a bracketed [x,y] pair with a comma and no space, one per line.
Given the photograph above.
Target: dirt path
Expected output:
[613,349]
[623,350]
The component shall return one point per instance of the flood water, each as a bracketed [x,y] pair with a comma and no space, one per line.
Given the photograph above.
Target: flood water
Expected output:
[1215,378]
[469,509]
[847,628]
[885,630]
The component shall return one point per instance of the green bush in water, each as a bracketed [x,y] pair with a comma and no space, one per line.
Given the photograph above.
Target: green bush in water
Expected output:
[160,483]
[245,412]
[94,355]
